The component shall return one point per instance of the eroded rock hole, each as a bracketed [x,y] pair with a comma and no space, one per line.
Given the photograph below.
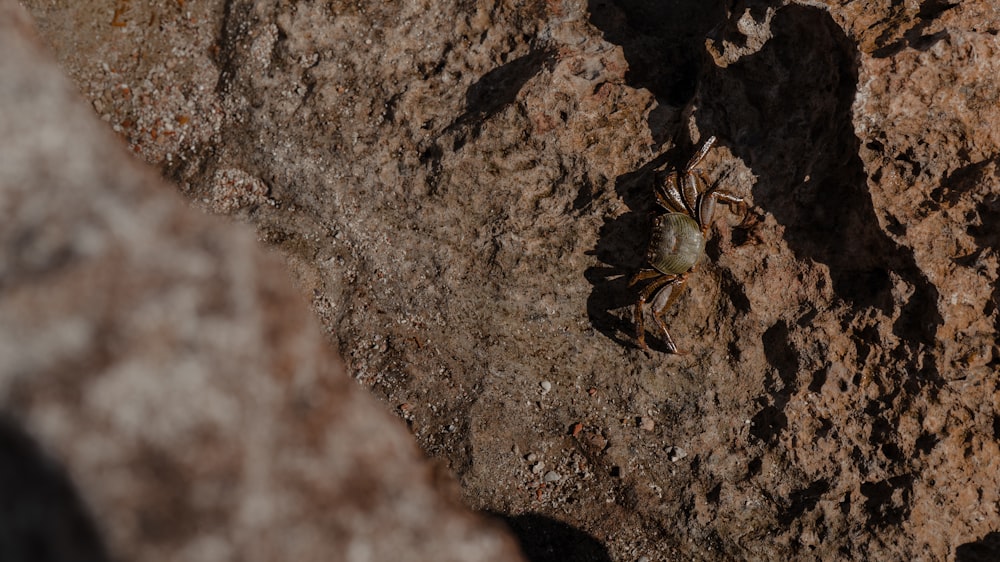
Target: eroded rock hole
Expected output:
[801,501]
[888,501]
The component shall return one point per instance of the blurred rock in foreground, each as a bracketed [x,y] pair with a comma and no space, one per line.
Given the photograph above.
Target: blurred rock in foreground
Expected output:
[165,360]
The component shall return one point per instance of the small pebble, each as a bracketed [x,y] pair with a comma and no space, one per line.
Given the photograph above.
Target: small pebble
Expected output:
[552,476]
[675,453]
[532,457]
[546,386]
[538,467]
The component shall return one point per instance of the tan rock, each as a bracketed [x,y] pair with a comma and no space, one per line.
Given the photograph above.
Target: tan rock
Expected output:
[465,190]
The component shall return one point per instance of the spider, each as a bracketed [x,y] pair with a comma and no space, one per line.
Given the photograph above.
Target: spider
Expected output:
[678,240]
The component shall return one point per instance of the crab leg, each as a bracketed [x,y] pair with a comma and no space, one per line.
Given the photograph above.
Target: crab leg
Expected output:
[661,303]
[669,195]
[690,188]
[700,155]
[706,208]
[642,275]
[640,329]
[736,205]
[662,283]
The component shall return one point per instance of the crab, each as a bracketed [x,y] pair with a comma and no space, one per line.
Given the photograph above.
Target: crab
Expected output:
[677,242]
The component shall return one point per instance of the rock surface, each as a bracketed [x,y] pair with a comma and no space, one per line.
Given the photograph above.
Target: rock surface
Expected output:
[166,360]
[464,189]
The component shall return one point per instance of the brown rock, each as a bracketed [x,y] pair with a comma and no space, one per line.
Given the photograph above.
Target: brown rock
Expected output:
[466,191]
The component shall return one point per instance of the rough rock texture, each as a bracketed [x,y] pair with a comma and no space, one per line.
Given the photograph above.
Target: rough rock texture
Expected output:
[464,189]
[166,360]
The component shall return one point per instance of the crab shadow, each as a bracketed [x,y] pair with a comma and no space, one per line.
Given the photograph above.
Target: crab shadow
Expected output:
[786,111]
[664,46]
[621,248]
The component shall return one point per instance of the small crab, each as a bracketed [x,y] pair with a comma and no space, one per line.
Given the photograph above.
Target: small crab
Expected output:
[678,240]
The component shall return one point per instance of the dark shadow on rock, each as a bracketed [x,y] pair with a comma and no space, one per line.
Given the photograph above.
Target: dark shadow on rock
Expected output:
[664,44]
[786,112]
[985,232]
[42,519]
[986,549]
[802,501]
[489,95]
[888,502]
[494,91]
[915,38]
[544,539]
[771,420]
